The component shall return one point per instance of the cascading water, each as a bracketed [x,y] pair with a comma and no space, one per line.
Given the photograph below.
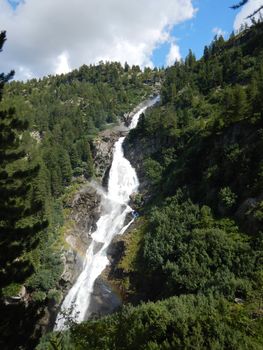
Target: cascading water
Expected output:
[122,183]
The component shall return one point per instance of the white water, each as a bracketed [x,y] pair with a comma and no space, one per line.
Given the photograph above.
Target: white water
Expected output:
[123,182]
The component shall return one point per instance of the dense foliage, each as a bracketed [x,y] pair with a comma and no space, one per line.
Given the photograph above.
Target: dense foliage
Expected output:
[207,134]
[206,137]
[21,217]
[202,230]
[184,322]
[187,251]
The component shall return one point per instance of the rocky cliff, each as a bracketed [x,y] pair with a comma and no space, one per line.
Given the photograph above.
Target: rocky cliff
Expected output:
[84,213]
[102,149]
[103,145]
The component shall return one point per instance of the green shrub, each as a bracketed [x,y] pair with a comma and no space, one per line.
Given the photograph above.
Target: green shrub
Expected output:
[11,290]
[227,197]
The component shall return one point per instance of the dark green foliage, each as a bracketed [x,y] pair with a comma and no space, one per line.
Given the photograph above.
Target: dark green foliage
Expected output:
[207,137]
[22,221]
[212,128]
[49,267]
[20,211]
[177,323]
[187,251]
[18,324]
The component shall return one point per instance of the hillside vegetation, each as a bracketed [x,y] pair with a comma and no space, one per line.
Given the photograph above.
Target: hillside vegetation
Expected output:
[52,122]
[200,259]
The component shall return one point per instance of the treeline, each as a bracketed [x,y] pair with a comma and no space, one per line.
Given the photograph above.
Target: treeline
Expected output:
[201,246]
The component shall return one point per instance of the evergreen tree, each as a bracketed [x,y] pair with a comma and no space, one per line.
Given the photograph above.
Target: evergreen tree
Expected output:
[20,213]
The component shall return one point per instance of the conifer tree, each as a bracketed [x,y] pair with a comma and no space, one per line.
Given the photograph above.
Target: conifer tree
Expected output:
[20,214]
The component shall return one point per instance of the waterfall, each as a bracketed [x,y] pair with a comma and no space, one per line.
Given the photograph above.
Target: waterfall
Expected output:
[122,183]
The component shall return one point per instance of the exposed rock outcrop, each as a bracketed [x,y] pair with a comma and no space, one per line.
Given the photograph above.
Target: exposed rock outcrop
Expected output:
[21,297]
[136,152]
[102,146]
[247,214]
[103,152]
[104,299]
[84,213]
[137,149]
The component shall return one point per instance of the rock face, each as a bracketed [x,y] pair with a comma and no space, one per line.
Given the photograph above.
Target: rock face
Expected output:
[102,151]
[245,214]
[136,152]
[103,299]
[84,213]
[103,145]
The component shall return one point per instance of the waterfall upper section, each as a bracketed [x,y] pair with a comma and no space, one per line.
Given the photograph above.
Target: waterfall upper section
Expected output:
[122,183]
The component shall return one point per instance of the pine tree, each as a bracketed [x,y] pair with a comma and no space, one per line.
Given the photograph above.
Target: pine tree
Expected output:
[20,213]
[207,53]
[65,166]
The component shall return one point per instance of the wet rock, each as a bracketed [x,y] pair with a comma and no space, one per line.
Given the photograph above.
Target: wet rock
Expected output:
[85,210]
[97,247]
[84,213]
[136,151]
[102,149]
[116,249]
[103,299]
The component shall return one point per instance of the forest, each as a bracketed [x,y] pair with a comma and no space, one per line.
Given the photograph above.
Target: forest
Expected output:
[191,273]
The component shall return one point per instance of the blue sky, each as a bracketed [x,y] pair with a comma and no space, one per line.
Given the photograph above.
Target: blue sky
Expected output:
[199,31]
[14,3]
[55,36]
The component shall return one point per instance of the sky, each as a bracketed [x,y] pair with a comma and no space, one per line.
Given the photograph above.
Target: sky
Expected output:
[56,36]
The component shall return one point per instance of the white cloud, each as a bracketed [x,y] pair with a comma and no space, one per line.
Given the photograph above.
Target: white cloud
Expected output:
[62,65]
[45,35]
[246,10]
[173,55]
[25,73]
[218,31]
